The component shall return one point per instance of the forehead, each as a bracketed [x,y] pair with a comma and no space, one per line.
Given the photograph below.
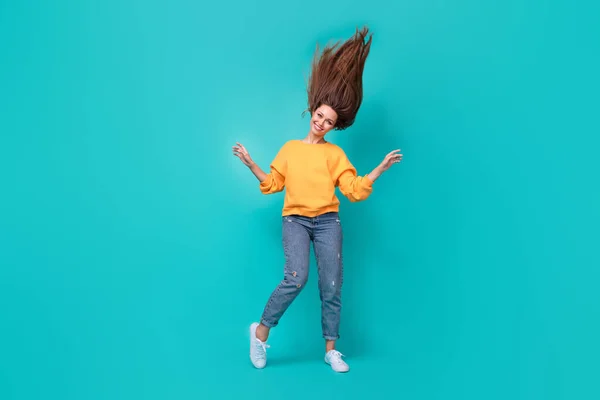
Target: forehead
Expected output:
[328,112]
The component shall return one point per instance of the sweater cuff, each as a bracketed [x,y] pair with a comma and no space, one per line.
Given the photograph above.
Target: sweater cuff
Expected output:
[265,185]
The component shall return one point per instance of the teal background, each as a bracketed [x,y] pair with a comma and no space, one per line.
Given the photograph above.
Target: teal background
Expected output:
[135,250]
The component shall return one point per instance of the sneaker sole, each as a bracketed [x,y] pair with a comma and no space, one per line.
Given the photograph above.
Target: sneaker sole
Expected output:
[339,372]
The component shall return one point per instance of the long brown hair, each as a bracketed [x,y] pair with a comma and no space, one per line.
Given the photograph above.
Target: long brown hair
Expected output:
[336,77]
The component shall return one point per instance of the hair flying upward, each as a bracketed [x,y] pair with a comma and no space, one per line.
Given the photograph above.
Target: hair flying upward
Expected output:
[336,77]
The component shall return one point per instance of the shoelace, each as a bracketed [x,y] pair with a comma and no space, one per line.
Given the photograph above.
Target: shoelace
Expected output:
[336,357]
[262,347]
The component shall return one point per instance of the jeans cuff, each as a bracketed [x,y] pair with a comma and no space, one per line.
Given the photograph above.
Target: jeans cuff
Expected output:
[268,324]
[331,337]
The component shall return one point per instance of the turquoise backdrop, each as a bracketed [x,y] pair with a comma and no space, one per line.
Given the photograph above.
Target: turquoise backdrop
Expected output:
[135,250]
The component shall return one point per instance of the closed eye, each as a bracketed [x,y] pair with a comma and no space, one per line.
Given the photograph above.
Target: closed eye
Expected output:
[330,122]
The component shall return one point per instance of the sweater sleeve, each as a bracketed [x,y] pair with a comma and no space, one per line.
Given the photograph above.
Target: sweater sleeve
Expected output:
[355,188]
[275,180]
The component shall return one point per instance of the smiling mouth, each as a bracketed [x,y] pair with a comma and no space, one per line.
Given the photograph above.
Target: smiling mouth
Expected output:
[317,127]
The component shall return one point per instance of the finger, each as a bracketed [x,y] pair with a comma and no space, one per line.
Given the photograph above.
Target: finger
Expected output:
[393,152]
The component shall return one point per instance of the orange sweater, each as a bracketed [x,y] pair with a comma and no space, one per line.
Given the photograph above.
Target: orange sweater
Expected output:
[310,173]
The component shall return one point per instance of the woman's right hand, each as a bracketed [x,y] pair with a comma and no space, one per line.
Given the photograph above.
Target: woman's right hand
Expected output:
[240,152]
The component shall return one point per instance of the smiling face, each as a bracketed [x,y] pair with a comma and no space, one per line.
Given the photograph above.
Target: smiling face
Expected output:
[323,120]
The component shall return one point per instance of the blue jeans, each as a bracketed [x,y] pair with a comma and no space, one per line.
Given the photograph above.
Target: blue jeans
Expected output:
[325,231]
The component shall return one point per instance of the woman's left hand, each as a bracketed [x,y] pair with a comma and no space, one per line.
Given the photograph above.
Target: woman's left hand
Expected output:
[392,157]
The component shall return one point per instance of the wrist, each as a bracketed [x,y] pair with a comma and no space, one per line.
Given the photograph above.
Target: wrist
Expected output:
[374,174]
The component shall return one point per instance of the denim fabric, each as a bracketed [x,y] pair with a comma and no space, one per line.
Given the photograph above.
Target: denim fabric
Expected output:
[325,232]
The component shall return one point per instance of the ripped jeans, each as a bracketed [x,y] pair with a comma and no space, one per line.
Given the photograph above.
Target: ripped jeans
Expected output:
[325,231]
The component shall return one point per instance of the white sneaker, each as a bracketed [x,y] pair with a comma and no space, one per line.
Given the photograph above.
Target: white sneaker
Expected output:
[334,358]
[258,349]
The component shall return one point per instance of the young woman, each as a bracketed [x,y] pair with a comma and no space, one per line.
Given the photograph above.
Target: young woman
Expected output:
[310,169]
